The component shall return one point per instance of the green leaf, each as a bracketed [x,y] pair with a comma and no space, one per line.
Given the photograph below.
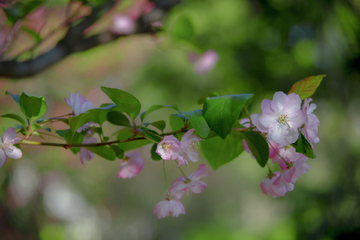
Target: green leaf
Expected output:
[118,151]
[154,155]
[158,124]
[198,122]
[218,151]
[183,28]
[33,34]
[14,96]
[126,146]
[32,106]
[222,112]
[303,146]
[78,121]
[37,126]
[176,123]
[257,145]
[125,101]
[98,115]
[76,138]
[202,99]
[104,152]
[154,108]
[307,87]
[15,117]
[117,118]
[150,134]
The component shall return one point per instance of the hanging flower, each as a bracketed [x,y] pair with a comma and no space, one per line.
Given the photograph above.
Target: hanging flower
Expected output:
[7,148]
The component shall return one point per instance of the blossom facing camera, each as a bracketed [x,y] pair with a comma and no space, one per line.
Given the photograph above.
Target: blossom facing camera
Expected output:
[84,152]
[206,62]
[131,165]
[169,148]
[122,25]
[7,148]
[167,207]
[281,118]
[180,185]
[79,104]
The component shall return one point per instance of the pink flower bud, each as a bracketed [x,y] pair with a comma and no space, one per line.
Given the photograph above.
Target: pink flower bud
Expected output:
[206,62]
[122,25]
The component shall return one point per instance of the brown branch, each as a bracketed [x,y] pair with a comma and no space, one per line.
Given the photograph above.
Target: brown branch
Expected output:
[74,41]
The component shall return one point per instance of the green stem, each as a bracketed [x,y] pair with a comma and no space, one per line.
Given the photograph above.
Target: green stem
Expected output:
[187,179]
[167,187]
[248,114]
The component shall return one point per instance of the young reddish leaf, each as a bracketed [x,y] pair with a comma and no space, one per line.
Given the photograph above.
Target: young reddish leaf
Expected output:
[307,87]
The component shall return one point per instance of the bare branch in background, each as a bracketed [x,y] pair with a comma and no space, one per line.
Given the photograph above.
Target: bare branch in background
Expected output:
[74,41]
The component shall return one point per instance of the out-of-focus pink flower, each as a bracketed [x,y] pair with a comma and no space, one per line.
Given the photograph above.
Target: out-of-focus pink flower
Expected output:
[281,118]
[164,208]
[169,148]
[188,151]
[35,20]
[84,152]
[310,129]
[7,34]
[276,186]
[206,62]
[122,25]
[292,173]
[79,104]
[131,165]
[180,185]
[7,148]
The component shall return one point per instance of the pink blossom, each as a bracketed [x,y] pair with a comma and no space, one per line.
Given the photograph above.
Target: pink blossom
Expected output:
[180,185]
[281,118]
[287,153]
[84,152]
[169,148]
[131,165]
[310,129]
[206,62]
[292,173]
[275,185]
[164,208]
[36,19]
[79,104]
[7,148]
[122,25]
[188,151]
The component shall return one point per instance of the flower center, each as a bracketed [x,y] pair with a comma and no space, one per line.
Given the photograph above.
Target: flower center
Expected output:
[283,119]
[166,146]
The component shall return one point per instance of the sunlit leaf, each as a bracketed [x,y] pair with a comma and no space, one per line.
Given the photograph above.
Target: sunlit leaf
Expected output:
[198,122]
[154,108]
[307,87]
[15,117]
[32,106]
[104,152]
[202,99]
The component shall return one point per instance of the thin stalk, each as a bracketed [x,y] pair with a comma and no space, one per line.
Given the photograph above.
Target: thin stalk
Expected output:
[167,187]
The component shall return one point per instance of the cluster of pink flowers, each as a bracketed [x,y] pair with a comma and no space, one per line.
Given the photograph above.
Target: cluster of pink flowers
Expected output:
[171,149]
[281,120]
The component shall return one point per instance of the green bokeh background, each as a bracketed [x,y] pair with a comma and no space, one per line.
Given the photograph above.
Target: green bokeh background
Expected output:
[264,47]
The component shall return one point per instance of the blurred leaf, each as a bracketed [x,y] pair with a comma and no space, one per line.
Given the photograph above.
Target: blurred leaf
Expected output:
[53,232]
[176,122]
[15,117]
[78,121]
[198,121]
[104,152]
[154,108]
[33,34]
[154,155]
[222,112]
[32,106]
[218,151]
[257,145]
[183,28]
[202,99]
[14,96]
[158,124]
[117,118]
[307,87]
[125,101]
[118,151]
[126,146]
[303,146]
